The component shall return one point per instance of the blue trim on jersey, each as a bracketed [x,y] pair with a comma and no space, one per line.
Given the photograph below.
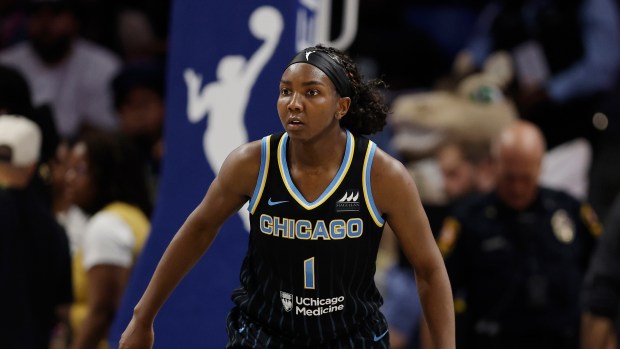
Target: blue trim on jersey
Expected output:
[370,201]
[292,189]
[262,174]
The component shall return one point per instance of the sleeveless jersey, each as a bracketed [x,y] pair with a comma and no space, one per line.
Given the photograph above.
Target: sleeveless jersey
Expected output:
[309,271]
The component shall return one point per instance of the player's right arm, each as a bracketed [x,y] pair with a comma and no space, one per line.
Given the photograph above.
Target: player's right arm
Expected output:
[232,187]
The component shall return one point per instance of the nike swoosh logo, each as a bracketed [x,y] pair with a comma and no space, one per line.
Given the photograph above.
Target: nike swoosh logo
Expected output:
[273,203]
[378,338]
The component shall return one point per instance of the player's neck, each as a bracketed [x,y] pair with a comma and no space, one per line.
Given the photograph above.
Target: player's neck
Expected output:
[323,151]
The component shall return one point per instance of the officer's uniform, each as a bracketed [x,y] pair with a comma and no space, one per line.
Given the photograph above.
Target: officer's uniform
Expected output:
[517,274]
[308,277]
[602,285]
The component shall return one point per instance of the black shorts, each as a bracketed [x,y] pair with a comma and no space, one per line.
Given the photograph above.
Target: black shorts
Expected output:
[245,333]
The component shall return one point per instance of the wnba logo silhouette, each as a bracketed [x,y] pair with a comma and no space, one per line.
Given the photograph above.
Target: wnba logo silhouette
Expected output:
[226,99]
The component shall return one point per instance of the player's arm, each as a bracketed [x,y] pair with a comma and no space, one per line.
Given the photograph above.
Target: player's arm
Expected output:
[232,187]
[396,196]
[597,332]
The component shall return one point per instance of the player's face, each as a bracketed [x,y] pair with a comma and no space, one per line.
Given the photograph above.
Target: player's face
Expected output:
[308,102]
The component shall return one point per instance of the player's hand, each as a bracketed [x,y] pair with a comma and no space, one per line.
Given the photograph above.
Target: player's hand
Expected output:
[137,336]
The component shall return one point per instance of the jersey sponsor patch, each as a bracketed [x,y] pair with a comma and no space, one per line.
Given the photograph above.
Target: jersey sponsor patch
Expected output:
[308,306]
[349,202]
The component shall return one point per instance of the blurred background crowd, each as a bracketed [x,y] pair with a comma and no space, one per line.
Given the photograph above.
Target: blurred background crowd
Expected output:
[506,113]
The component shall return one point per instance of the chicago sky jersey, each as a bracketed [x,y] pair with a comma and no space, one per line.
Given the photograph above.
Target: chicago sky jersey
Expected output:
[309,271]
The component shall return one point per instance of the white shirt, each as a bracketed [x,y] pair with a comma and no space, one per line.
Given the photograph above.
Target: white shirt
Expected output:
[108,239]
[74,221]
[78,89]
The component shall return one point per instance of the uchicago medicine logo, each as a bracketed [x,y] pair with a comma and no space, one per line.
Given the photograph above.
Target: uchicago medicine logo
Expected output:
[308,306]
[287,300]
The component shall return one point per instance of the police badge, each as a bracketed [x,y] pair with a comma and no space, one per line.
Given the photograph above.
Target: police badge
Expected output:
[287,300]
[563,227]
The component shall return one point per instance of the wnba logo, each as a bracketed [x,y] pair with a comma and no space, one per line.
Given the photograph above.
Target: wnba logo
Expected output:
[287,300]
[236,76]
[349,202]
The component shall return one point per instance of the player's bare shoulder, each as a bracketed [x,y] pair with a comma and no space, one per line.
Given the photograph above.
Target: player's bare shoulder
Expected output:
[241,167]
[248,153]
[390,180]
[387,168]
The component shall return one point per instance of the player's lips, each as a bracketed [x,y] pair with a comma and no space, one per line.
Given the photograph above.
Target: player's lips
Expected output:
[294,122]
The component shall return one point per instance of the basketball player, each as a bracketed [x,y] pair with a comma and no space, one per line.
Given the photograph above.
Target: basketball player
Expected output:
[319,196]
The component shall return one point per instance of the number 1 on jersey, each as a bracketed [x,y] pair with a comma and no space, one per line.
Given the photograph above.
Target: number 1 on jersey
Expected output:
[309,273]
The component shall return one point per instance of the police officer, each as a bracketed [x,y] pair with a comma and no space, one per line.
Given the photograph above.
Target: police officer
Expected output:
[601,292]
[517,256]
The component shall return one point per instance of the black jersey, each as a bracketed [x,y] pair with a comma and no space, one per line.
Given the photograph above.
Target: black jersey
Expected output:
[308,276]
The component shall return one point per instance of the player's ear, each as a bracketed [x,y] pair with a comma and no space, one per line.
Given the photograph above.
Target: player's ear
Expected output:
[343,107]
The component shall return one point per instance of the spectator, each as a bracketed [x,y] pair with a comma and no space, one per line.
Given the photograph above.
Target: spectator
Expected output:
[12,23]
[602,288]
[465,167]
[70,216]
[519,253]
[70,74]
[15,99]
[566,56]
[142,30]
[140,104]
[34,253]
[136,29]
[466,170]
[463,122]
[105,178]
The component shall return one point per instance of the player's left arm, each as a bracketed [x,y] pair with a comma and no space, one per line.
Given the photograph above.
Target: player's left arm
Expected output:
[397,197]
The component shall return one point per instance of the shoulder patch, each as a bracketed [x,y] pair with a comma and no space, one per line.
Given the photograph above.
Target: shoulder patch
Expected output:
[589,217]
[448,235]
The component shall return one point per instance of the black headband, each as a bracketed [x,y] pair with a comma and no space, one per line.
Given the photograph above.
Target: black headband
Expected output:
[328,65]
